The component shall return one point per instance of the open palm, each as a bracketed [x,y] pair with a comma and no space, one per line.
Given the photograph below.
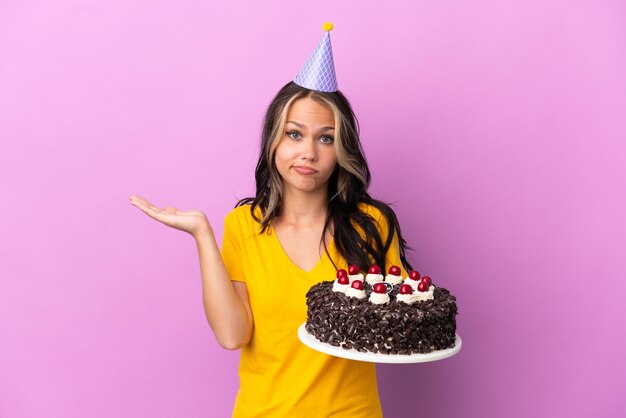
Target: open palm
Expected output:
[190,221]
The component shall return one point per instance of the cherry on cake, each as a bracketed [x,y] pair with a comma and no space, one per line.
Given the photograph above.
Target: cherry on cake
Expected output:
[395,275]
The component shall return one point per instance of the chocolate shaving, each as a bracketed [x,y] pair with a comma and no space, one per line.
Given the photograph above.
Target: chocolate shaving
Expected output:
[393,328]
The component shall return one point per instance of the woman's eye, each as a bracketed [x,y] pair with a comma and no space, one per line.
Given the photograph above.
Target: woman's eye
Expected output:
[327,139]
[293,134]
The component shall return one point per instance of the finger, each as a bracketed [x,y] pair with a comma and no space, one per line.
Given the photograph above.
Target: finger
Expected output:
[149,206]
[148,209]
[145,201]
[136,197]
[156,214]
[138,201]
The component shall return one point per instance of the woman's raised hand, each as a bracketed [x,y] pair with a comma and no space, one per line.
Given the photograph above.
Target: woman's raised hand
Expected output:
[191,221]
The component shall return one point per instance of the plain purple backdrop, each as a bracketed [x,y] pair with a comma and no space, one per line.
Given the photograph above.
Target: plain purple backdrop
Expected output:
[495,128]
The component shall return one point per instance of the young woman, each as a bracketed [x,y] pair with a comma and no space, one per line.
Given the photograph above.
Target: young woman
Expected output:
[311,215]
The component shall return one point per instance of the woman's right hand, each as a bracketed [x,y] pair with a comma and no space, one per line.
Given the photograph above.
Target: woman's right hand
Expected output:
[226,303]
[191,221]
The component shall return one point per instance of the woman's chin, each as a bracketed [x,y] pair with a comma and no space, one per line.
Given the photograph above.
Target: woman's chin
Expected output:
[305,186]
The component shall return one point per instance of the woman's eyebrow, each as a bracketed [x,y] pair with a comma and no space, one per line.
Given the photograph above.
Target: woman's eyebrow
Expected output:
[302,126]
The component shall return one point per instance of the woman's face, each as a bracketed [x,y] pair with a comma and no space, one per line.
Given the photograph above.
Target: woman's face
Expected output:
[305,156]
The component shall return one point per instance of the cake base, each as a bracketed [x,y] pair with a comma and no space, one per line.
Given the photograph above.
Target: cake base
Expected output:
[351,354]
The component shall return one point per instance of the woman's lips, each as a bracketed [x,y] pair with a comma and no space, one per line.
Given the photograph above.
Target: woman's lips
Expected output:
[304,170]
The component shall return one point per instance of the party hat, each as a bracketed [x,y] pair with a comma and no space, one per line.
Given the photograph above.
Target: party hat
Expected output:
[318,73]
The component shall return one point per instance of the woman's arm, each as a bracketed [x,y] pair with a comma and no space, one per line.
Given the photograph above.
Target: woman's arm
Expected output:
[226,302]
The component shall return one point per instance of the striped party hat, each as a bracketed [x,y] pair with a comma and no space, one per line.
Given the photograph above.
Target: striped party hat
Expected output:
[318,73]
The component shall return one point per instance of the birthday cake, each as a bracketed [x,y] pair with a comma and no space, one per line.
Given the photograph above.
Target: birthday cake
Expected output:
[382,314]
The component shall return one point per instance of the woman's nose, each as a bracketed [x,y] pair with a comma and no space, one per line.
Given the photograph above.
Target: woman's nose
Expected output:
[309,150]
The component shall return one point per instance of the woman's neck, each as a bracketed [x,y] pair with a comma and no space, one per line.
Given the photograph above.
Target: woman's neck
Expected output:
[303,208]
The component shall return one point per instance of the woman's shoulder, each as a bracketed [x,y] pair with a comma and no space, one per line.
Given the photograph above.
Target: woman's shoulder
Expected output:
[368,208]
[240,210]
[380,212]
[240,213]
[374,210]
[241,216]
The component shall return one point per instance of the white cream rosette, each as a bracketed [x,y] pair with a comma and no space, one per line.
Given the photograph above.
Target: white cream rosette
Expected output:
[393,279]
[372,279]
[379,298]
[355,293]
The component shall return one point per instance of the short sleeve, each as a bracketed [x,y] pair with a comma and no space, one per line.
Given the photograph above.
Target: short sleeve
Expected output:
[232,247]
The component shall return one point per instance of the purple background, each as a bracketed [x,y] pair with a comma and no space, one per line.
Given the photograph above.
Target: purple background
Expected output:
[496,128]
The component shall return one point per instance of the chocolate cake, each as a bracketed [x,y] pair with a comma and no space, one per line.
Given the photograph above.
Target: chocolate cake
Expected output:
[387,315]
